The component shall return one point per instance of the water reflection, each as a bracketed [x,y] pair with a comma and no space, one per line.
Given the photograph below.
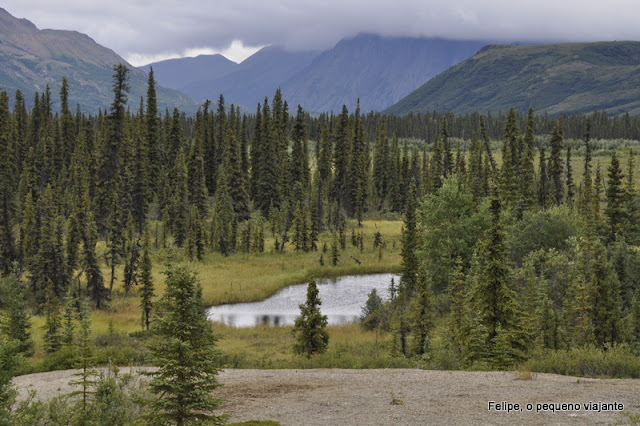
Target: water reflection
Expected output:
[342,301]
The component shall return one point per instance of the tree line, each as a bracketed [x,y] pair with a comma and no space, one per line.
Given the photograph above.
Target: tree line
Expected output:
[506,259]
[78,192]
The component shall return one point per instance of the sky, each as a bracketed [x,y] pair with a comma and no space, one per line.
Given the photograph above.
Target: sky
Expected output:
[144,31]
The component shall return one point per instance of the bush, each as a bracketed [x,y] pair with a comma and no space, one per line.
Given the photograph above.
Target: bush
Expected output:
[617,362]
[546,229]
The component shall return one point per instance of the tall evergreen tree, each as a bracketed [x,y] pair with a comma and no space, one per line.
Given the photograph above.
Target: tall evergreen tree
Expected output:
[526,176]
[421,314]
[570,184]
[146,284]
[197,185]
[178,206]
[341,159]
[152,133]
[555,166]
[7,181]
[110,155]
[615,211]
[495,300]
[300,172]
[359,168]
[381,164]
[410,262]
[223,221]
[237,180]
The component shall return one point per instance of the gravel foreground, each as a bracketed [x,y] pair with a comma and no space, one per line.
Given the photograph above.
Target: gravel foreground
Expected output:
[364,397]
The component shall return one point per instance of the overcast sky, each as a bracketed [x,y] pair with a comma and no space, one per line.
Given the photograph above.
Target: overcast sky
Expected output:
[143,31]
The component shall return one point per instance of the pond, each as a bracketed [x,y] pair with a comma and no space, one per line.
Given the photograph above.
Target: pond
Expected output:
[342,302]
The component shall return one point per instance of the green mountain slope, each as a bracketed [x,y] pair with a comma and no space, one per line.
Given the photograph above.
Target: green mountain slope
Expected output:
[31,59]
[555,78]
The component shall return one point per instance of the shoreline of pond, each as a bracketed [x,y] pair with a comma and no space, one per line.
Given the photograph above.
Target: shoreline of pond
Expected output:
[343,298]
[318,274]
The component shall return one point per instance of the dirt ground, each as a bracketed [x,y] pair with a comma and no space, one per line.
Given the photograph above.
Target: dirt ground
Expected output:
[401,396]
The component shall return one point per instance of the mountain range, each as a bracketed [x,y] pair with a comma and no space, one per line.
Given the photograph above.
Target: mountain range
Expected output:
[552,78]
[379,71]
[394,75]
[31,59]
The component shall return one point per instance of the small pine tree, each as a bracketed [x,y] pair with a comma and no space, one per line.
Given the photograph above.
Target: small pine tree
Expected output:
[371,311]
[335,252]
[10,363]
[52,335]
[185,354]
[68,321]
[16,322]
[310,328]
[86,360]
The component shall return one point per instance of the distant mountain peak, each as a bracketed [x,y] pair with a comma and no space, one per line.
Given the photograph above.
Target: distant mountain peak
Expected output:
[31,59]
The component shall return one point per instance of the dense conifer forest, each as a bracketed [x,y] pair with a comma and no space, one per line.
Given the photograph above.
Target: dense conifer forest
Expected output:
[519,243]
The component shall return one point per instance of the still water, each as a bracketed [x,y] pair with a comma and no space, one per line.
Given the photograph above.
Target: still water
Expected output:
[342,302]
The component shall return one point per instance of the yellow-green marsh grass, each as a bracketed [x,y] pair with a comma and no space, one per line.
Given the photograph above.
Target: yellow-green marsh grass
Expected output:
[246,277]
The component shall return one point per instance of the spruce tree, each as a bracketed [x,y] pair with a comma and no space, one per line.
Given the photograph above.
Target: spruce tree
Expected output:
[85,360]
[300,153]
[178,206]
[110,156]
[7,179]
[458,322]
[10,363]
[16,322]
[410,262]
[544,182]
[555,166]
[95,283]
[146,284]
[358,171]
[570,184]
[527,176]
[224,219]
[236,179]
[615,210]
[184,351]
[310,328]
[381,165]
[152,133]
[341,159]
[420,311]
[195,234]
[495,300]
[52,327]
[510,161]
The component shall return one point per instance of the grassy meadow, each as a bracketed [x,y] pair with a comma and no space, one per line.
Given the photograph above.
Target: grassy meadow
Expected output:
[248,277]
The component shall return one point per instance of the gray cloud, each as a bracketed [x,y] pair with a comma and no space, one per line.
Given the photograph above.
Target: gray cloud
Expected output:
[159,27]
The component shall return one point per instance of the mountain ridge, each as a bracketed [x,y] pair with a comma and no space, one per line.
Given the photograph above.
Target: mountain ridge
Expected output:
[377,70]
[552,78]
[32,59]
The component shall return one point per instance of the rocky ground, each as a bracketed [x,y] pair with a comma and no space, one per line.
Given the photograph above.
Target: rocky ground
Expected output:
[401,396]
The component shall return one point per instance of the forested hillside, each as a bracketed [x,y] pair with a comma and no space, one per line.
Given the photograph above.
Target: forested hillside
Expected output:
[550,78]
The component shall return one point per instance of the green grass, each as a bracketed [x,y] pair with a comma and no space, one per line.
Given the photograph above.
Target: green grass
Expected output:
[243,277]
